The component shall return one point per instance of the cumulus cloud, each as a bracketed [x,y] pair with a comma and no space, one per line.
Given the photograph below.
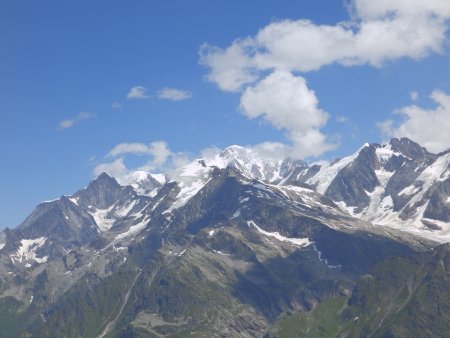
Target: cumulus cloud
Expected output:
[286,102]
[174,94]
[377,32]
[428,127]
[69,123]
[138,92]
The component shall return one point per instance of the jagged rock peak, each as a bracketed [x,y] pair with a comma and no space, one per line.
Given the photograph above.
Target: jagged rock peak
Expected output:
[409,148]
[104,179]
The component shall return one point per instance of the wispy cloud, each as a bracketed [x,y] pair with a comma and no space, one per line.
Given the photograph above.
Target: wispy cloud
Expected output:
[69,123]
[116,105]
[115,168]
[138,92]
[414,95]
[174,94]
[157,157]
[158,152]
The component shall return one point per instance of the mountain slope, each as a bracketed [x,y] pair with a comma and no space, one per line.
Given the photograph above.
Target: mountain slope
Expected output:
[226,246]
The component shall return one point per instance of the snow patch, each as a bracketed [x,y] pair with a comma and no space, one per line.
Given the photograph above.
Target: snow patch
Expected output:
[221,253]
[343,206]
[50,201]
[385,152]
[74,200]
[410,190]
[101,219]
[161,178]
[191,179]
[438,171]
[27,250]
[236,214]
[133,229]
[124,210]
[324,260]
[379,204]
[300,242]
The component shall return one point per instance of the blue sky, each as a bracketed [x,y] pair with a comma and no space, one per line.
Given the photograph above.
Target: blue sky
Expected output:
[67,67]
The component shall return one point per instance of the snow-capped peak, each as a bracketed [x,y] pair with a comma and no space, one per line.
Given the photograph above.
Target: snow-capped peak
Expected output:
[328,172]
[143,182]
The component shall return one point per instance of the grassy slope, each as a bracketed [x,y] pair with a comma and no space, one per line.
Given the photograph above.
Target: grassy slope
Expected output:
[324,321]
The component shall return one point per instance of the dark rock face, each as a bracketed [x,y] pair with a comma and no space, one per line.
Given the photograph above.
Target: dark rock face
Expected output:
[438,207]
[60,220]
[353,182]
[103,192]
[411,149]
[385,182]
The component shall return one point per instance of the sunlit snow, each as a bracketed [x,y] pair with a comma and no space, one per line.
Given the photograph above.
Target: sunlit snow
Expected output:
[300,242]
[27,250]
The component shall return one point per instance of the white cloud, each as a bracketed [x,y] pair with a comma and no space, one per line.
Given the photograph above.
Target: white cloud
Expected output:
[232,67]
[69,123]
[157,155]
[174,94]
[158,150]
[428,127]
[286,102]
[374,9]
[342,119]
[180,159]
[116,168]
[414,96]
[116,105]
[273,150]
[129,148]
[378,32]
[138,92]
[211,152]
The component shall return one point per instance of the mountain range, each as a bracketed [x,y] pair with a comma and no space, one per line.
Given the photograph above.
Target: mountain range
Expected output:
[240,245]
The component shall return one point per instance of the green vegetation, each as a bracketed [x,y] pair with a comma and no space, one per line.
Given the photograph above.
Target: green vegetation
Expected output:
[85,310]
[324,320]
[13,317]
